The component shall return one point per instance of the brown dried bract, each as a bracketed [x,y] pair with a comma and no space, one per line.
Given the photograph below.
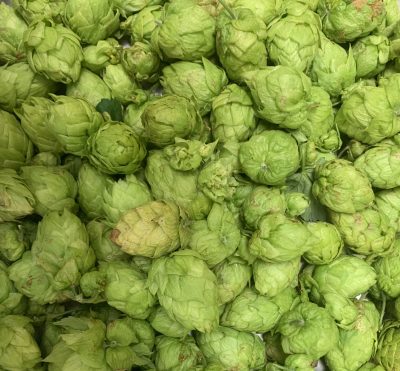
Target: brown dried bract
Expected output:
[376,6]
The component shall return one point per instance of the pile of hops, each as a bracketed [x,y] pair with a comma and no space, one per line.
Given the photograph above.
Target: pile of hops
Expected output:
[199,185]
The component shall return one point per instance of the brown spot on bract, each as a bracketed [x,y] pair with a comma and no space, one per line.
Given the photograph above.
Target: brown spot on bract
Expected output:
[182,357]
[377,7]
[114,235]
[358,4]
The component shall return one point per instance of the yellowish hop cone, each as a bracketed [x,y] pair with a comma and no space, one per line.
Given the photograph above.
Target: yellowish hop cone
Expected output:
[150,230]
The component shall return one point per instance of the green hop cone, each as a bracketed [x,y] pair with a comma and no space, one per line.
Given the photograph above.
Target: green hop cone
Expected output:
[15,147]
[200,82]
[91,185]
[150,230]
[89,87]
[326,243]
[346,21]
[280,95]
[171,117]
[333,68]
[100,241]
[262,201]
[232,115]
[129,331]
[186,155]
[369,113]
[59,256]
[105,52]
[173,354]
[296,203]
[342,187]
[319,126]
[116,149]
[279,239]
[123,286]
[54,188]
[190,40]
[371,54]
[308,329]
[141,62]
[53,51]
[131,341]
[293,39]
[195,303]
[217,182]
[123,195]
[179,187]
[36,10]
[92,20]
[20,83]
[367,232]
[388,274]
[362,336]
[11,35]
[142,24]
[270,279]
[251,312]
[270,157]
[381,164]
[16,200]
[356,277]
[232,349]
[240,25]
[79,344]
[233,275]
[18,348]
[388,353]
[11,301]
[216,238]
[72,121]
[14,244]
[165,325]
[122,86]
[33,114]
[126,8]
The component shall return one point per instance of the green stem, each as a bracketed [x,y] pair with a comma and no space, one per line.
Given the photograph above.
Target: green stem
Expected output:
[342,152]
[228,9]
[382,309]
